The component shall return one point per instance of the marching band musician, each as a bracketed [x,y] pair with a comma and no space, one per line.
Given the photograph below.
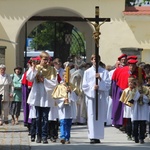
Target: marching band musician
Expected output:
[76,79]
[44,80]
[66,95]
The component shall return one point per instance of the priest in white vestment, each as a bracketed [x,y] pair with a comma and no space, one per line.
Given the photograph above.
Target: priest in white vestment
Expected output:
[95,127]
[77,79]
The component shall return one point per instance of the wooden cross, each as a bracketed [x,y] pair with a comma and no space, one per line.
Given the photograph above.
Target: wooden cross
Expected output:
[96,37]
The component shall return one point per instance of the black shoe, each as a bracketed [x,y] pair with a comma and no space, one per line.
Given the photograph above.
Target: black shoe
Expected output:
[129,137]
[52,140]
[29,134]
[38,140]
[55,137]
[142,141]
[133,139]
[122,128]
[32,139]
[45,141]
[78,123]
[97,141]
[136,140]
[48,137]
[94,141]
[6,122]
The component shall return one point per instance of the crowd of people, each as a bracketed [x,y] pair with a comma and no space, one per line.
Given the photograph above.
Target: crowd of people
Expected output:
[130,97]
[54,96]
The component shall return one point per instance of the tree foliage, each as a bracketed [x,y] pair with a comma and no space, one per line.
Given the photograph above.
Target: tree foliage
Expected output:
[51,36]
[43,36]
[137,3]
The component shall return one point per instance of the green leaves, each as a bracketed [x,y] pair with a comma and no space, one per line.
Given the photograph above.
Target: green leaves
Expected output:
[58,36]
[137,3]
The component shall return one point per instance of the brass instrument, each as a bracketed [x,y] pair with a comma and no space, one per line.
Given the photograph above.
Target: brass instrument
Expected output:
[67,78]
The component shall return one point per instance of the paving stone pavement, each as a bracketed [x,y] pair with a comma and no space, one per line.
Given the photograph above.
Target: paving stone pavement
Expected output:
[15,137]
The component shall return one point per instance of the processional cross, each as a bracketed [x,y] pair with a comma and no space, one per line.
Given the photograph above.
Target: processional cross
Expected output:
[96,37]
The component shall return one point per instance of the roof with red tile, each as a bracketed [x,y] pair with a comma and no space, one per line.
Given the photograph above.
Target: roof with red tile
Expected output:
[143,10]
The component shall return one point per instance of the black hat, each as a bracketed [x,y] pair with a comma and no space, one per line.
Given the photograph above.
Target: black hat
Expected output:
[18,67]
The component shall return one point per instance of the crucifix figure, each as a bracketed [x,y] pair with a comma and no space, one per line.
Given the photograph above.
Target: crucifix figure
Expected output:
[96,37]
[97,32]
